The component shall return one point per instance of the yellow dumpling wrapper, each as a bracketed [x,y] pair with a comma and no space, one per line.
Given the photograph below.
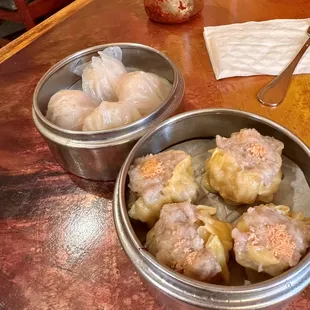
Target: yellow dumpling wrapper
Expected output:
[270,238]
[192,241]
[244,168]
[179,187]
[217,236]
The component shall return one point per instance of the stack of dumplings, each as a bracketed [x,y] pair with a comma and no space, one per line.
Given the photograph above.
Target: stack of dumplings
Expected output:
[189,238]
[111,96]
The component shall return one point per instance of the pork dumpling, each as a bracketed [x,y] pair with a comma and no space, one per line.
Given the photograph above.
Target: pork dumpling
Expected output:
[68,109]
[270,239]
[189,240]
[245,167]
[158,179]
[146,90]
[101,75]
[111,115]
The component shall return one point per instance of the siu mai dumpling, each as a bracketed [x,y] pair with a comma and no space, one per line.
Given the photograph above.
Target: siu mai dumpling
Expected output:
[101,75]
[146,90]
[189,240]
[158,179]
[68,109]
[245,167]
[111,115]
[270,239]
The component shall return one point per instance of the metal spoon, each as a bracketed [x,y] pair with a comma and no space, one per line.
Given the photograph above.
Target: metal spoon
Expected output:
[274,92]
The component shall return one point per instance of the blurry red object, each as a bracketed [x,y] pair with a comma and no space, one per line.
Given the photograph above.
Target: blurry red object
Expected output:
[172,11]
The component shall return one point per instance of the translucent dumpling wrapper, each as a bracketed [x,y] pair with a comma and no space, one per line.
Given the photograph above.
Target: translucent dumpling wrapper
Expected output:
[68,109]
[110,115]
[159,179]
[192,241]
[102,74]
[146,90]
[270,238]
[245,167]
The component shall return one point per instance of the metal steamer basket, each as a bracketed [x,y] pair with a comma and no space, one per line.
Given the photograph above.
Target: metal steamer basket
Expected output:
[176,290]
[99,155]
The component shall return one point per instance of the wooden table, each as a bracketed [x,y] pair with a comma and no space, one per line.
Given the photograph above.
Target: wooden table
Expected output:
[58,246]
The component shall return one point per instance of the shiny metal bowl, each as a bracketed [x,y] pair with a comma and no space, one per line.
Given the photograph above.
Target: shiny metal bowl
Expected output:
[173,289]
[98,155]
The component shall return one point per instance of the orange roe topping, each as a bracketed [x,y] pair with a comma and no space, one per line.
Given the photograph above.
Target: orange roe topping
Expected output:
[151,168]
[280,242]
[257,150]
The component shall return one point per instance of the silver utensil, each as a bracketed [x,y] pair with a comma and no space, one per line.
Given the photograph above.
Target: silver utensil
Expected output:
[274,92]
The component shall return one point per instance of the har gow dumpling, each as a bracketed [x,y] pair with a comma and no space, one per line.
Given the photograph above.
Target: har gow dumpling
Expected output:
[110,115]
[146,90]
[270,239]
[68,109]
[245,167]
[101,75]
[159,179]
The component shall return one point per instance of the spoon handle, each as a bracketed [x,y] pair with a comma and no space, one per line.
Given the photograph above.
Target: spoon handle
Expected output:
[274,92]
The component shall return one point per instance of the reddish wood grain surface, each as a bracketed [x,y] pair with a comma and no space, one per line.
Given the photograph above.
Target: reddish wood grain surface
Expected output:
[58,246]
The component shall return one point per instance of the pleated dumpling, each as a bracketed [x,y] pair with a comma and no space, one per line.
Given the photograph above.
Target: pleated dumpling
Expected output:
[110,115]
[158,179]
[68,109]
[270,238]
[245,167]
[146,90]
[188,239]
[102,74]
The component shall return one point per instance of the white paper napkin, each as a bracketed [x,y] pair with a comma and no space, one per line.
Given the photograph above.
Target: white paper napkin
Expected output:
[257,48]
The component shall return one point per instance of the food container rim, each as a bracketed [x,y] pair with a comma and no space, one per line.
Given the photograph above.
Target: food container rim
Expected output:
[177,78]
[212,296]
[301,267]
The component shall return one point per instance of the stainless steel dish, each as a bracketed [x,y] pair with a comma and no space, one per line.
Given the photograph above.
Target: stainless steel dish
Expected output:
[175,290]
[98,155]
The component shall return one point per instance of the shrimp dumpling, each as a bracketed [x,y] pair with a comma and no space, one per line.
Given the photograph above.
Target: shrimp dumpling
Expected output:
[101,75]
[110,115]
[146,90]
[189,240]
[158,179]
[68,109]
[270,239]
[245,167]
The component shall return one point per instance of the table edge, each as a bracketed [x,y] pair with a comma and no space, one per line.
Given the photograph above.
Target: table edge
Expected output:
[28,37]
